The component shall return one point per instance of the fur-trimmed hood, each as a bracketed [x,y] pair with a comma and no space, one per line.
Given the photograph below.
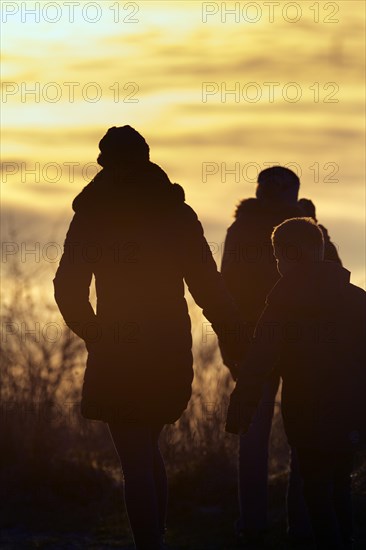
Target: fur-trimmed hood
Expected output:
[252,207]
[246,207]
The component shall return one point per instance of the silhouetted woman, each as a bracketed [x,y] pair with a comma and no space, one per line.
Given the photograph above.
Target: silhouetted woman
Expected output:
[134,232]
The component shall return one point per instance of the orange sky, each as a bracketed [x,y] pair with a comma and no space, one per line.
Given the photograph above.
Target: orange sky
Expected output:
[298,77]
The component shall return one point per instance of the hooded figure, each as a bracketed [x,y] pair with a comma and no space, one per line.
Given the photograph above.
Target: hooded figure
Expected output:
[249,270]
[248,265]
[134,232]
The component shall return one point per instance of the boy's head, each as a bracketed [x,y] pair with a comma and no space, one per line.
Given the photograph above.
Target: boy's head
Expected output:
[278,183]
[297,241]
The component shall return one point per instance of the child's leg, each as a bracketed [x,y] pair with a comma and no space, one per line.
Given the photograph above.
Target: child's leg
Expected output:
[317,470]
[342,496]
[253,464]
[136,448]
[161,481]
[299,526]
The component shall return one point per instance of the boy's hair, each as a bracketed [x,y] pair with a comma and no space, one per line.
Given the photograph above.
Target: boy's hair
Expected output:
[299,239]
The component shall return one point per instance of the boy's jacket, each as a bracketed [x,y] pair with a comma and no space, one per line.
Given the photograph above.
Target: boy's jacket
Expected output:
[313,330]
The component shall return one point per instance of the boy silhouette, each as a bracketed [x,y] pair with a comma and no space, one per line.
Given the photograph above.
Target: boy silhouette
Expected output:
[313,330]
[249,271]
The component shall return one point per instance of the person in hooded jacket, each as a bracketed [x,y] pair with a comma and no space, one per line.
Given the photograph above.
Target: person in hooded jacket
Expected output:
[134,232]
[249,271]
[313,328]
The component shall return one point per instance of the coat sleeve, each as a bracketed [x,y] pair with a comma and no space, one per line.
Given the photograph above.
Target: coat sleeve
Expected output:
[230,267]
[72,283]
[208,289]
[259,362]
[330,250]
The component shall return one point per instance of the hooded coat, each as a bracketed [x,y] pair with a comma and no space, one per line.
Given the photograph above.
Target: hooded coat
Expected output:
[134,232]
[313,331]
[248,265]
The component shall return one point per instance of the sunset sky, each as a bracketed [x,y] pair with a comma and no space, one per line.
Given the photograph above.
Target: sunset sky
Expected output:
[295,70]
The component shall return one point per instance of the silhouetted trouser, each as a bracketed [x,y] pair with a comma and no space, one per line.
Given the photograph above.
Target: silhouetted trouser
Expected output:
[145,481]
[253,474]
[327,491]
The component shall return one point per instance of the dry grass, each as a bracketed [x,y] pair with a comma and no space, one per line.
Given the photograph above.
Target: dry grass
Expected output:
[59,472]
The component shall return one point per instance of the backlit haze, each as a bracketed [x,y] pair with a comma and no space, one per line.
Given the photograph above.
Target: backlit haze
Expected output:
[295,71]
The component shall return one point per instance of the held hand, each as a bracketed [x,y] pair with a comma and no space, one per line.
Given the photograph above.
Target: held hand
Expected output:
[239,416]
[234,370]
[231,363]
[91,346]
[233,352]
